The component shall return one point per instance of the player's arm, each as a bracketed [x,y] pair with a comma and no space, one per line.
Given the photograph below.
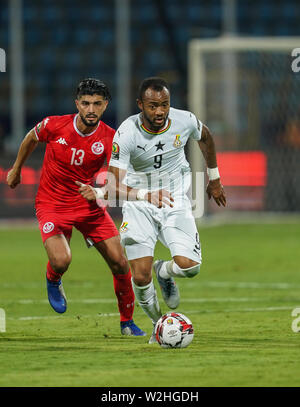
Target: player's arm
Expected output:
[90,193]
[27,146]
[214,188]
[118,189]
[115,189]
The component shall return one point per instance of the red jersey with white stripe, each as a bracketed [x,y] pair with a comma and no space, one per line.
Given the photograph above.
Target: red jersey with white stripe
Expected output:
[70,156]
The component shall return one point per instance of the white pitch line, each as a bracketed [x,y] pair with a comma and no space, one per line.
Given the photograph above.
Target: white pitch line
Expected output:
[213,284]
[266,309]
[113,301]
[228,284]
[113,314]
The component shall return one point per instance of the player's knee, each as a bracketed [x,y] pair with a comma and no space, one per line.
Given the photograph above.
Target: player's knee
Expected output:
[120,267]
[192,271]
[141,277]
[61,263]
[188,267]
[185,262]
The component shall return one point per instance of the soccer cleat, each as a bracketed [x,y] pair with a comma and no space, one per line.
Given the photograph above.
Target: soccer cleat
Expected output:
[56,296]
[169,289]
[153,337]
[130,329]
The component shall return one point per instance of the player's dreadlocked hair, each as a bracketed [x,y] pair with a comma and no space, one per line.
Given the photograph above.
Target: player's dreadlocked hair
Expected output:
[92,86]
[154,83]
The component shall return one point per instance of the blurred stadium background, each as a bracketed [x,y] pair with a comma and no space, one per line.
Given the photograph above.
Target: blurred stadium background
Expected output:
[249,98]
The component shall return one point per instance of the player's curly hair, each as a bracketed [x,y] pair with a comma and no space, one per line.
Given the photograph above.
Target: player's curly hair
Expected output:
[92,86]
[156,83]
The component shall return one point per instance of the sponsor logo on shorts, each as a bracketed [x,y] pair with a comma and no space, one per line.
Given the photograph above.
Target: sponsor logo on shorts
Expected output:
[97,148]
[123,227]
[115,150]
[48,227]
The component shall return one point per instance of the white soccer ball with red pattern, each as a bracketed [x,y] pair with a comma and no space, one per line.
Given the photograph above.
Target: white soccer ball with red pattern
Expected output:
[174,330]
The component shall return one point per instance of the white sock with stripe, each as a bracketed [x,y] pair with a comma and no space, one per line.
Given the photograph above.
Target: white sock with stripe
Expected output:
[147,299]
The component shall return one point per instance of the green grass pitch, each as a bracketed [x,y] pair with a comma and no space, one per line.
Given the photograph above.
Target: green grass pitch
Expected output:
[240,304]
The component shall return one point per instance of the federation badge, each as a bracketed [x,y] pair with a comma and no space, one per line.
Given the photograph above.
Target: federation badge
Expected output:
[123,227]
[169,321]
[177,142]
[97,148]
[115,150]
[48,227]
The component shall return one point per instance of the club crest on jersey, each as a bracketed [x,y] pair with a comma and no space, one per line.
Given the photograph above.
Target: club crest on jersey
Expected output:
[48,227]
[123,227]
[177,142]
[97,148]
[115,151]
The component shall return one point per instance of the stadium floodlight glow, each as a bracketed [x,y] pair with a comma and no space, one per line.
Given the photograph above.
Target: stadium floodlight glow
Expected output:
[2,60]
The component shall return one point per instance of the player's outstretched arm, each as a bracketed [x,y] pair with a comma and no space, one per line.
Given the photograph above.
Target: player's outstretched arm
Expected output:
[214,188]
[27,146]
[119,190]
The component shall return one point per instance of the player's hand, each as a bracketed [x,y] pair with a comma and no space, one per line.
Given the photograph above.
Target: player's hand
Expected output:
[215,189]
[160,198]
[13,178]
[87,191]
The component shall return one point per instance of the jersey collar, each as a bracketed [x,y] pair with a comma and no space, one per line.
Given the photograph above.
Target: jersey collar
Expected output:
[79,132]
[166,128]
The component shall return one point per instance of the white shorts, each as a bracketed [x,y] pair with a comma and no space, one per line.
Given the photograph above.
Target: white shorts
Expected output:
[144,224]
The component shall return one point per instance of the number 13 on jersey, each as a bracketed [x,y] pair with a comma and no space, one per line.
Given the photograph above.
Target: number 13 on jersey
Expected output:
[77,156]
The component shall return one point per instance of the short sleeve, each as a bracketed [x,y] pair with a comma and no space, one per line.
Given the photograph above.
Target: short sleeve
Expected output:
[196,127]
[43,130]
[121,146]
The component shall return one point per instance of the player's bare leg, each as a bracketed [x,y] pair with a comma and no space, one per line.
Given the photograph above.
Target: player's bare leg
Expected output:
[144,289]
[59,255]
[180,266]
[113,253]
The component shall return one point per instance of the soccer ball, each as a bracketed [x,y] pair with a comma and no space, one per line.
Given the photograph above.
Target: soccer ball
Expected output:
[174,330]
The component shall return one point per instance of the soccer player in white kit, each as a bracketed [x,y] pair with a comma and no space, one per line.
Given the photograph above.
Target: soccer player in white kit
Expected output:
[149,171]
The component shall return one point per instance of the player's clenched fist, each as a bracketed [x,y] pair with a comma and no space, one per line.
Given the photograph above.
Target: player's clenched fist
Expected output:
[215,189]
[87,191]
[13,178]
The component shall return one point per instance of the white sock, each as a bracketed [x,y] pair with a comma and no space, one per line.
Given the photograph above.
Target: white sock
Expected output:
[147,299]
[170,269]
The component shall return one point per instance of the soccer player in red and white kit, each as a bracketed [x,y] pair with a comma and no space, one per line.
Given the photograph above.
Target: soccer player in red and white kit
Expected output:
[78,146]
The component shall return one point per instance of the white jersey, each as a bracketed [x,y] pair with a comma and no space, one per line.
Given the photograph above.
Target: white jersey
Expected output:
[156,160]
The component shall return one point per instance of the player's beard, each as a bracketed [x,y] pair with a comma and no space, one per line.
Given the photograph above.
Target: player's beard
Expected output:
[89,124]
[152,125]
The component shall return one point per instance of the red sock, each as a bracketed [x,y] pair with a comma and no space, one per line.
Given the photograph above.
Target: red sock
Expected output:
[125,295]
[51,274]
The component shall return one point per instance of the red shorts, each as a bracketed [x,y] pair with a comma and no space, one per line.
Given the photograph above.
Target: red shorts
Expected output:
[94,223]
